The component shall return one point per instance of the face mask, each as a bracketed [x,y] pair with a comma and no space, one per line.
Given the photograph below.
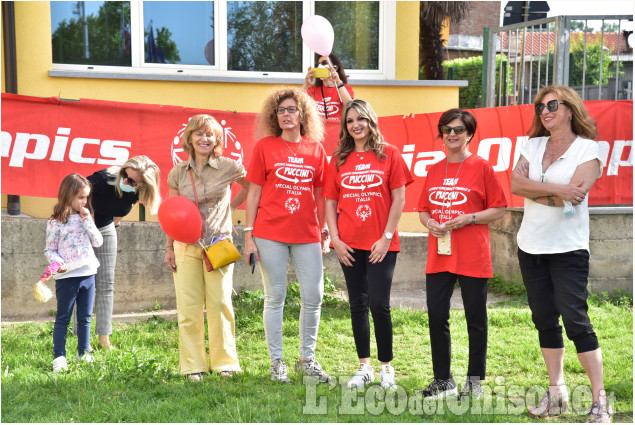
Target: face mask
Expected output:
[125,187]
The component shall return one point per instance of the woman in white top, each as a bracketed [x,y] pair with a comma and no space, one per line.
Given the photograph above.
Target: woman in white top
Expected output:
[557,167]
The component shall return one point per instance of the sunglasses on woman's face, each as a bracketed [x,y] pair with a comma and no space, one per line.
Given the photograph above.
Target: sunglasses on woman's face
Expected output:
[326,64]
[446,129]
[127,178]
[552,106]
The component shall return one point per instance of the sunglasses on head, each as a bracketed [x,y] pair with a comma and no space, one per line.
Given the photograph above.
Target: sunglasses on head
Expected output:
[446,129]
[292,109]
[552,106]
[130,181]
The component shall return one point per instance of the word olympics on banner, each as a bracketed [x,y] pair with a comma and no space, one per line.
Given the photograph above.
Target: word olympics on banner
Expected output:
[44,139]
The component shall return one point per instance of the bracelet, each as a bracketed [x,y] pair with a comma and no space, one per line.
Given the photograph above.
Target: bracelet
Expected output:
[340,86]
[248,229]
[428,222]
[325,230]
[550,184]
[169,247]
[473,218]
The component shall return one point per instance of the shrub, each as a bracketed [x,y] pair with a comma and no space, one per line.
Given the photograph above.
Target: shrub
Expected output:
[471,69]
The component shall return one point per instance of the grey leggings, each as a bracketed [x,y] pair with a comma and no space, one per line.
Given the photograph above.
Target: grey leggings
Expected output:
[307,261]
[104,281]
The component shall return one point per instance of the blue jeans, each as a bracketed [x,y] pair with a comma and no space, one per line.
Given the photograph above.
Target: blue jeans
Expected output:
[80,290]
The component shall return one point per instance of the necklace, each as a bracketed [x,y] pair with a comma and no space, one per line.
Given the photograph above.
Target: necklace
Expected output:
[291,150]
[548,154]
[359,154]
[455,181]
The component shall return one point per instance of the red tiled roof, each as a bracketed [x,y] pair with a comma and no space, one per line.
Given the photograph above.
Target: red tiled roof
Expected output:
[543,40]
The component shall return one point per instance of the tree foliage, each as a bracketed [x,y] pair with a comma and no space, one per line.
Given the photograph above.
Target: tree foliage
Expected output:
[108,37]
[432,15]
[356,29]
[577,64]
[265,36]
[471,69]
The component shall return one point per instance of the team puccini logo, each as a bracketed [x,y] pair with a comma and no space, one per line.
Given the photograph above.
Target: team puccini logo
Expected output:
[233,148]
[363,212]
[361,181]
[448,194]
[332,107]
[292,205]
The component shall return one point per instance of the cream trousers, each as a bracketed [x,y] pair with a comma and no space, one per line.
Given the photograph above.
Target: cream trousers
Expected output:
[197,288]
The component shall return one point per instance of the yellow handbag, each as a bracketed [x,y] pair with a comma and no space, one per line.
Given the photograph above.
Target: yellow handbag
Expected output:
[222,253]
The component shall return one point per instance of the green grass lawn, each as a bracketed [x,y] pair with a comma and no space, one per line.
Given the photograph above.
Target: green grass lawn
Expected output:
[139,382]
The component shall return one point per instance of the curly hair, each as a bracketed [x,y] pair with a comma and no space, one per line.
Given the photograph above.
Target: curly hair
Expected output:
[203,122]
[581,123]
[311,125]
[149,192]
[346,144]
[69,189]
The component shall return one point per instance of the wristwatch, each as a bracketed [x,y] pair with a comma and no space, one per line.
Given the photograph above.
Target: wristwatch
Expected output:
[388,235]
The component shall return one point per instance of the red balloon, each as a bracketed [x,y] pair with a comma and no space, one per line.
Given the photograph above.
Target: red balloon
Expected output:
[180,219]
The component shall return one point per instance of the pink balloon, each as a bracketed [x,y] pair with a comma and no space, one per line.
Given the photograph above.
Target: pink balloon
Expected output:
[317,33]
[180,219]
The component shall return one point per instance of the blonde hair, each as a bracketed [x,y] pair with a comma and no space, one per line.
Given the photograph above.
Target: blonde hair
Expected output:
[581,123]
[346,144]
[69,188]
[311,125]
[149,187]
[203,121]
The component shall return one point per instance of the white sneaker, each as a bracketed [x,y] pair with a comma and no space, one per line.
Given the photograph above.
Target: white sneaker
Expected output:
[279,371]
[364,375]
[387,376]
[59,364]
[86,358]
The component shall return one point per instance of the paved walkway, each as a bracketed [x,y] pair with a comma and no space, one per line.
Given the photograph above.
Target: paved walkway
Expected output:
[400,298]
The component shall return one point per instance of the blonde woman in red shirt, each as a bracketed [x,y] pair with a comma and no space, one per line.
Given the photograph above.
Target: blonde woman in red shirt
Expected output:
[366,184]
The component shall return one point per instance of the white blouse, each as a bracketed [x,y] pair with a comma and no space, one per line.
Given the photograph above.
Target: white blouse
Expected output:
[544,229]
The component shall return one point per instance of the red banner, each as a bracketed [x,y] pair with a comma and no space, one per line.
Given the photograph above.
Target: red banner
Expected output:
[44,139]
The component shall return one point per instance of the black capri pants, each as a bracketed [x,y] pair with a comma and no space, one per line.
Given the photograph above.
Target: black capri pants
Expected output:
[368,287]
[557,286]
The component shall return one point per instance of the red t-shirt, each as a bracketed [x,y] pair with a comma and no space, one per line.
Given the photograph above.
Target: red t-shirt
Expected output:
[476,188]
[287,211]
[334,105]
[362,188]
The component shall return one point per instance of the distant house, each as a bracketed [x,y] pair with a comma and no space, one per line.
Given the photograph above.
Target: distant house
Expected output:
[466,37]
[537,44]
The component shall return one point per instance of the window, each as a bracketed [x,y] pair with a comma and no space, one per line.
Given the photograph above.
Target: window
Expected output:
[356,27]
[91,32]
[224,38]
[179,32]
[264,36]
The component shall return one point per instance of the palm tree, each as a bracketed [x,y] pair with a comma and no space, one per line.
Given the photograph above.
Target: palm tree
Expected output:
[432,15]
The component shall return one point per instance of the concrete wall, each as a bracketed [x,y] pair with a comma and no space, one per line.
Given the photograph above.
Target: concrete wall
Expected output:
[611,245]
[142,279]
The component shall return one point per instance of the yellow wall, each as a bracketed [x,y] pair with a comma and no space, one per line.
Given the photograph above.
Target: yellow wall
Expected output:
[407,41]
[34,60]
